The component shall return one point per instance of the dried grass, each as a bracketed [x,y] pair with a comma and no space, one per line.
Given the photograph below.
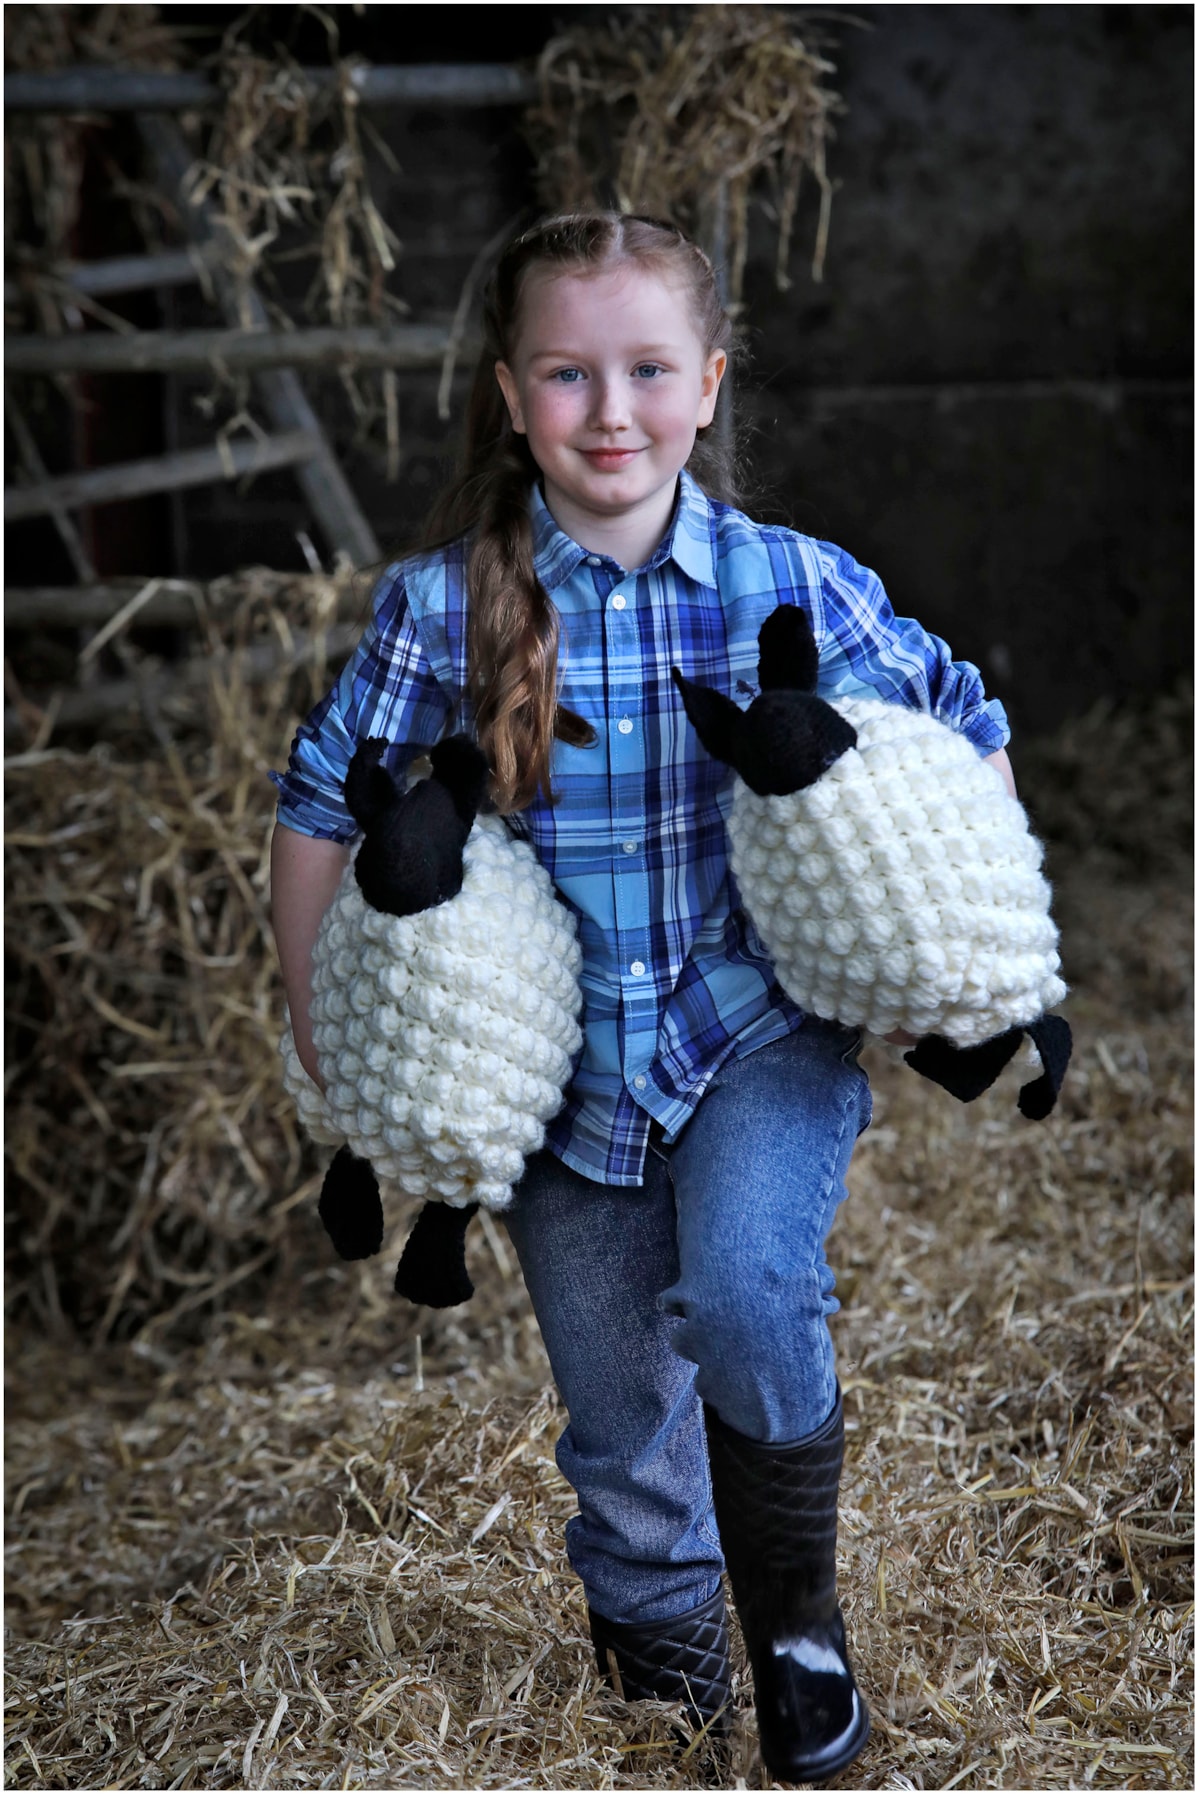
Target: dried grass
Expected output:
[270,1529]
[688,111]
[148,1146]
[284,170]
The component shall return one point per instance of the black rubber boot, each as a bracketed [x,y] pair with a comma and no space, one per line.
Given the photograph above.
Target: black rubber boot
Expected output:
[684,1659]
[776,1510]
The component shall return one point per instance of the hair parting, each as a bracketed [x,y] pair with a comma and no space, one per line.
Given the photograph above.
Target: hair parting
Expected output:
[513,626]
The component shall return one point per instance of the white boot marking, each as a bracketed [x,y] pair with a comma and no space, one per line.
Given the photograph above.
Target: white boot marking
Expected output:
[812,1655]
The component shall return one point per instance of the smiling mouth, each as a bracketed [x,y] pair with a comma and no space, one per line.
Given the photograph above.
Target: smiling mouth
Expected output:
[609,458]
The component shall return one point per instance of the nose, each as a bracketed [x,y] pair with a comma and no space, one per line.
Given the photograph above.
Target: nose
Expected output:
[610,405]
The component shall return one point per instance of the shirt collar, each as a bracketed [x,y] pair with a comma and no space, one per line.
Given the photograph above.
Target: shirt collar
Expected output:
[688,541]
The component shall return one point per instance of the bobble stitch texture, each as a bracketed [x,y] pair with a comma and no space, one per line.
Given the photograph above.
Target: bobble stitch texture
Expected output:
[434,1031]
[911,817]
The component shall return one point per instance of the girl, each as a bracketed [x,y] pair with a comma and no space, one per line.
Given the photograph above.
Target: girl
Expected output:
[672,1231]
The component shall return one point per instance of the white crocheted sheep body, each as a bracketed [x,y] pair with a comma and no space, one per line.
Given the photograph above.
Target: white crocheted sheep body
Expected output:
[445,1038]
[902,890]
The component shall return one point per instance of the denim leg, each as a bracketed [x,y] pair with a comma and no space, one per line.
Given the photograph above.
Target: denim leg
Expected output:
[595,1260]
[758,1175]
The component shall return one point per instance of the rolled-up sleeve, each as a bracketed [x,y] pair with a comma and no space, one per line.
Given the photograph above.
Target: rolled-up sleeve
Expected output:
[869,649]
[387,689]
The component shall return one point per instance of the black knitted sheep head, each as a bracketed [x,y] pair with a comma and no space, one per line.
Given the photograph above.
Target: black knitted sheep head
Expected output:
[411,854]
[788,736]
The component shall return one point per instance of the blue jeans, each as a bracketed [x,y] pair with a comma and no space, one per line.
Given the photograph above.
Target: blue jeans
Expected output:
[706,1284]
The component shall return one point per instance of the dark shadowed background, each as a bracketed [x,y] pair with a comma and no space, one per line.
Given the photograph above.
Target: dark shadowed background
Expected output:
[987,398]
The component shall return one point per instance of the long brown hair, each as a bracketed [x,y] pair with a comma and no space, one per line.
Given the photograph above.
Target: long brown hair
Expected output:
[512,629]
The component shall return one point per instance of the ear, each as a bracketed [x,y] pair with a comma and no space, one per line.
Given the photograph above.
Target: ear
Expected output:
[787,652]
[463,769]
[512,397]
[715,718]
[710,386]
[370,788]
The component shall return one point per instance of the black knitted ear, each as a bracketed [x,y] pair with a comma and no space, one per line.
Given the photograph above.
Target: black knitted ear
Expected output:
[351,1207]
[463,769]
[433,1266]
[715,719]
[964,1072]
[787,652]
[370,788]
[1051,1036]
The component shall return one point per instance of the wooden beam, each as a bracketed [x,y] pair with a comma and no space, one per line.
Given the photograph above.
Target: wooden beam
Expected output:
[91,89]
[38,475]
[86,607]
[326,489]
[163,474]
[116,274]
[85,707]
[189,352]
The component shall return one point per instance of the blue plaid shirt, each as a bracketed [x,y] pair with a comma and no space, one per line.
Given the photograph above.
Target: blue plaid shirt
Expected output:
[675,978]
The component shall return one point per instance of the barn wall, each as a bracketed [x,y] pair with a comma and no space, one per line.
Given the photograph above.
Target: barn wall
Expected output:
[1014,207]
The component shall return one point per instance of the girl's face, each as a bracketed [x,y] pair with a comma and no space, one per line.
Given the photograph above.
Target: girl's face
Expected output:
[610,382]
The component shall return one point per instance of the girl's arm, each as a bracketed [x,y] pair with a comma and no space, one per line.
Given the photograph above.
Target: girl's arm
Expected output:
[1003,766]
[305,873]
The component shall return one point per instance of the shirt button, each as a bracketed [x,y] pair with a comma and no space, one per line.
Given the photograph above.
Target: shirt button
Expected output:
[593,561]
[625,727]
[639,1083]
[637,968]
[629,847]
[619,602]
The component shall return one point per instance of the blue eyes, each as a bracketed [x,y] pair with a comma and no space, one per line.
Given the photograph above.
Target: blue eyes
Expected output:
[570,377]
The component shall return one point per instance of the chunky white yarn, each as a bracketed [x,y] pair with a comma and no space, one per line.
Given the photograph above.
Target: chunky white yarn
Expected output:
[445,1038]
[903,889]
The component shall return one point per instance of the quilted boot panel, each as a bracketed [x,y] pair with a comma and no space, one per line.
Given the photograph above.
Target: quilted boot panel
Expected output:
[777,1515]
[776,1507]
[684,1659]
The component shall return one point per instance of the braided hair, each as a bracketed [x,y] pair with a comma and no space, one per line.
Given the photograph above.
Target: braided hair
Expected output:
[513,626]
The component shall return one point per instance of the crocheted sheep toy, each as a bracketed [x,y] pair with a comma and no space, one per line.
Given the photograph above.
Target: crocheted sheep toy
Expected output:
[893,879]
[445,1016]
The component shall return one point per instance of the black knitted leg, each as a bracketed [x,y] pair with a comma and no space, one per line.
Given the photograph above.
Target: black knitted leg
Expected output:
[776,1510]
[684,1659]
[433,1266]
[350,1206]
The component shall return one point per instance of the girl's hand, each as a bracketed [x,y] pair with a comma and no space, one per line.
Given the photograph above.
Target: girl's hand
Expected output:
[308,1058]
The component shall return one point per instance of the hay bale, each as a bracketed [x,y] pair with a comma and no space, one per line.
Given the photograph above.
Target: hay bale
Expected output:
[688,112]
[149,1144]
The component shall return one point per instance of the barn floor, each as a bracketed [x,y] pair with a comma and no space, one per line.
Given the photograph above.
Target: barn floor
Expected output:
[322,1549]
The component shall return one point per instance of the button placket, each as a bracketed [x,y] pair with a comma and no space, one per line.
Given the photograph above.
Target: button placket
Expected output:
[631,889]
